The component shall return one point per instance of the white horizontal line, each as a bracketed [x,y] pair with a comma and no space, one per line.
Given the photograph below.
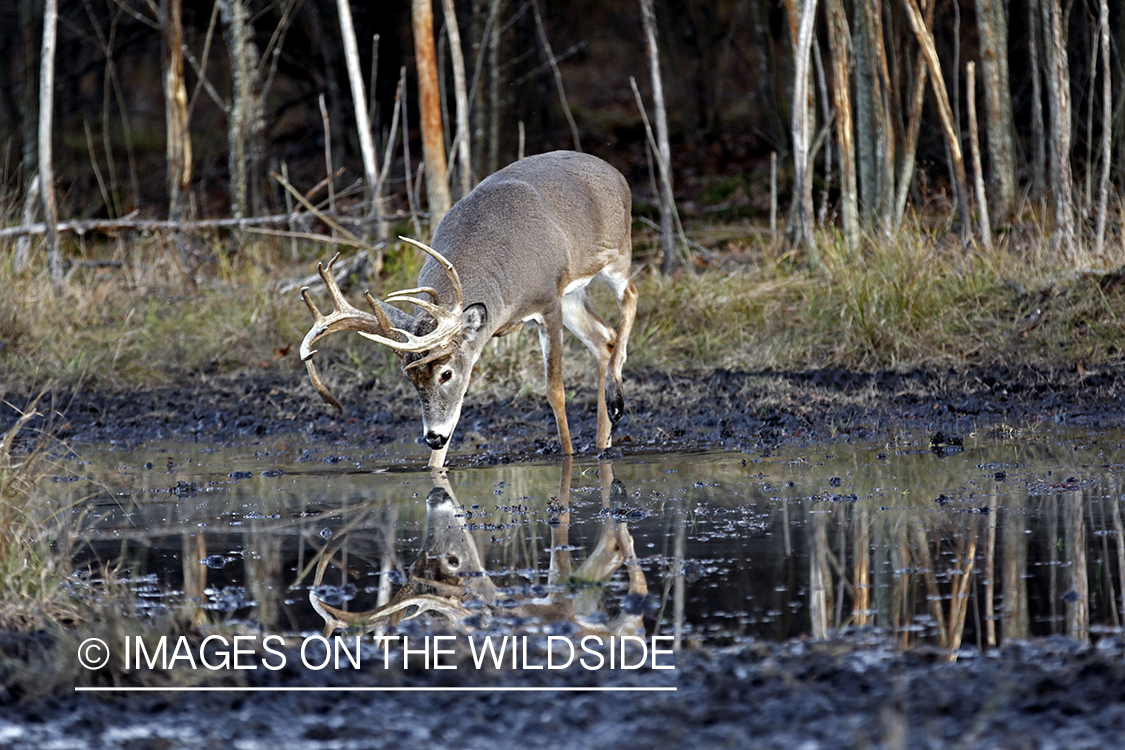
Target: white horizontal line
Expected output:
[362,689]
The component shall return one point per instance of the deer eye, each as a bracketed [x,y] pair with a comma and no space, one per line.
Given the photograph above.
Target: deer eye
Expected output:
[445,376]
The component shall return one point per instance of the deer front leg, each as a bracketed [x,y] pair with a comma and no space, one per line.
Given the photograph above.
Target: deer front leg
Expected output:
[551,339]
[437,457]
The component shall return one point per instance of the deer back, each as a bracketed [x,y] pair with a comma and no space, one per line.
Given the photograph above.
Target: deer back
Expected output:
[531,229]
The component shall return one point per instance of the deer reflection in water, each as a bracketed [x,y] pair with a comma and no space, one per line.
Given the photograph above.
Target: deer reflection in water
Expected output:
[450,582]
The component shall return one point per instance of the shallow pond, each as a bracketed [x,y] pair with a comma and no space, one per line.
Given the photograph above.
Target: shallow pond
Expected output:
[1002,538]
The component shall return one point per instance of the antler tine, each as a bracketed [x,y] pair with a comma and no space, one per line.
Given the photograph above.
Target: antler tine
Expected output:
[420,290]
[379,313]
[325,272]
[321,388]
[318,316]
[450,271]
[439,312]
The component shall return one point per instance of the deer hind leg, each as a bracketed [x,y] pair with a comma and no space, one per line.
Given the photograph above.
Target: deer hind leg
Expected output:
[551,339]
[618,280]
[627,298]
[581,319]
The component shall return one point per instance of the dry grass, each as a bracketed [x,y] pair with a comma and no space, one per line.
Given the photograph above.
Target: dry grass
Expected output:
[34,551]
[900,303]
[897,304]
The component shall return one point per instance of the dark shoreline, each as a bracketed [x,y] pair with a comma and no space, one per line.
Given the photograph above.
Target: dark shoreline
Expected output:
[738,410]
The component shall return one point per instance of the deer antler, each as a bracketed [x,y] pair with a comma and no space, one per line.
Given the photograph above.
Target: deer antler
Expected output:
[377,326]
[448,320]
[344,317]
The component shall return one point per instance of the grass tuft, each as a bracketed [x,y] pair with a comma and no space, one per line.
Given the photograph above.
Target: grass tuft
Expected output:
[34,559]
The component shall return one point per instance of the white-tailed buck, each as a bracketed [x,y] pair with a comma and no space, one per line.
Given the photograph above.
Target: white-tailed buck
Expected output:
[520,248]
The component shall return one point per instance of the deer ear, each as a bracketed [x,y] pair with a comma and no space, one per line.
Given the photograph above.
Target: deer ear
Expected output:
[473,320]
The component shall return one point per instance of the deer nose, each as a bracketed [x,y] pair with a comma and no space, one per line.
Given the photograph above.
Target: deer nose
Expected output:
[435,441]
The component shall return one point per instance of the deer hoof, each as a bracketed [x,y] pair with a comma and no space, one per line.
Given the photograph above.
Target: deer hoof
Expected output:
[614,401]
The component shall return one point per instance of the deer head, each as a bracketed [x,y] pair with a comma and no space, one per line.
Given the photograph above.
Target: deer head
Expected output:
[431,344]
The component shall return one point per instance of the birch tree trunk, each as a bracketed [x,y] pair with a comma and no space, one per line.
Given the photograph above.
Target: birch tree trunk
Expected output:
[974,143]
[664,151]
[1059,138]
[31,202]
[46,128]
[429,104]
[874,128]
[178,148]
[460,92]
[245,122]
[992,25]
[838,42]
[363,124]
[801,213]
[1107,130]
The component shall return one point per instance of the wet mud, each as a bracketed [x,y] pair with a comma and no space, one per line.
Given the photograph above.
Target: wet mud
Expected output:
[663,412]
[852,690]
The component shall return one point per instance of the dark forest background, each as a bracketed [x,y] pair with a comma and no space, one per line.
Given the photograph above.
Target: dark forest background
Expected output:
[727,65]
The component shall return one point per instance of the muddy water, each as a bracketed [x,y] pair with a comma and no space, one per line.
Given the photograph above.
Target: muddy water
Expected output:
[957,546]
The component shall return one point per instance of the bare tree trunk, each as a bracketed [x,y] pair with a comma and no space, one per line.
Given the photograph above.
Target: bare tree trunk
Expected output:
[23,244]
[332,106]
[429,105]
[31,49]
[1039,153]
[664,151]
[1107,128]
[838,42]
[974,145]
[460,91]
[828,114]
[926,40]
[801,213]
[1086,196]
[246,123]
[875,131]
[992,25]
[773,192]
[914,123]
[411,198]
[495,97]
[329,168]
[388,149]
[178,147]
[363,124]
[1059,139]
[46,128]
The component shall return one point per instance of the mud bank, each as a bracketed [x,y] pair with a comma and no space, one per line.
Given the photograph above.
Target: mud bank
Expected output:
[844,693]
[746,411]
